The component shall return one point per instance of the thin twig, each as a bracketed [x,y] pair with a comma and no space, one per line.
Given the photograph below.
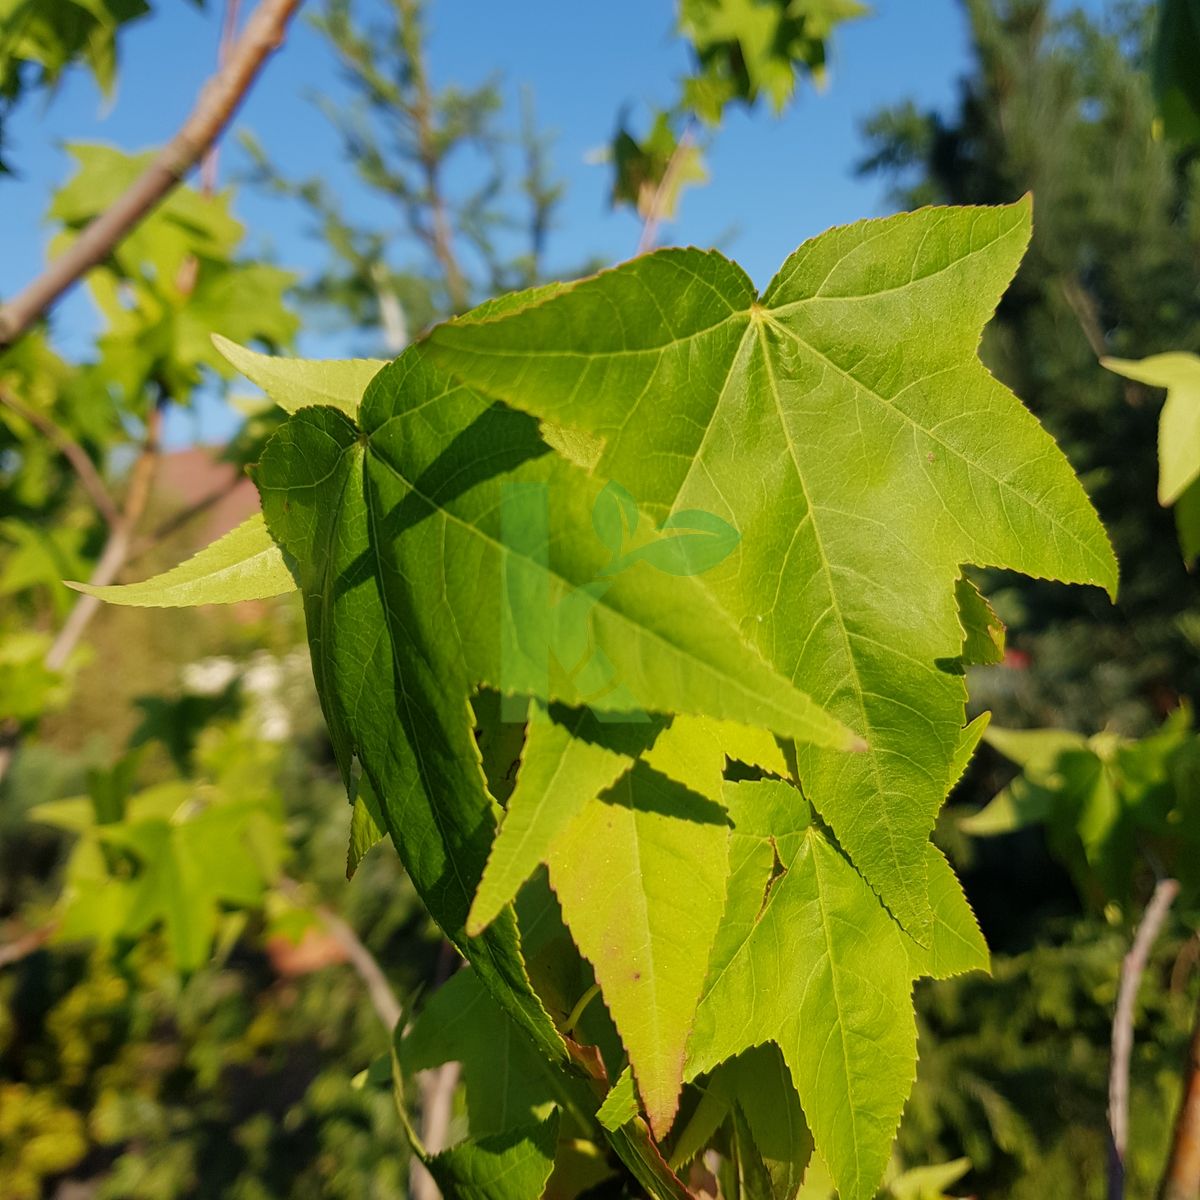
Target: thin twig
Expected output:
[71,450]
[116,548]
[1181,1179]
[209,163]
[1132,969]
[658,203]
[1082,304]
[215,107]
[379,991]
[27,944]
[176,521]
[442,239]
[437,1097]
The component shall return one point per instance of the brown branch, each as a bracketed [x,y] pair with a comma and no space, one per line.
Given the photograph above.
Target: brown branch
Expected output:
[27,944]
[209,163]
[1132,969]
[178,520]
[214,108]
[1181,1180]
[71,450]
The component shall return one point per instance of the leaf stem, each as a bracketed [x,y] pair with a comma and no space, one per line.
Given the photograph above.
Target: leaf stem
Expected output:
[581,1004]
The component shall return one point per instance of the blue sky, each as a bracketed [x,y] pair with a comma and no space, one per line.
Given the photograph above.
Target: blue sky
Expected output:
[774,181]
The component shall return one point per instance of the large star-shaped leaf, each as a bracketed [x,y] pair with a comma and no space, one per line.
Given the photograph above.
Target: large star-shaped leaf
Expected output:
[396,524]
[842,423]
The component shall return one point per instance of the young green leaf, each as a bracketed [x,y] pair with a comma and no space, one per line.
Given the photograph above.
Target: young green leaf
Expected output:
[640,875]
[808,958]
[504,1166]
[245,564]
[956,946]
[983,631]
[968,743]
[1178,437]
[421,762]
[504,1078]
[843,424]
[1179,423]
[367,826]
[568,760]
[295,383]
[771,1127]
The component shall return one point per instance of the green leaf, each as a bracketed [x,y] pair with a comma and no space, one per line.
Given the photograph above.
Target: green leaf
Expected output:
[983,631]
[747,49]
[245,564]
[1035,750]
[425,771]
[55,33]
[621,1104]
[193,859]
[405,553]
[808,958]
[566,763]
[644,919]
[758,1086]
[957,946]
[295,383]
[843,424]
[968,742]
[1187,523]
[503,1077]
[515,1165]
[928,1183]
[1176,52]
[367,826]
[1179,423]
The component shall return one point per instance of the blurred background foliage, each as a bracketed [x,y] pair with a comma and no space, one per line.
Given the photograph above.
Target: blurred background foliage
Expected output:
[184,1009]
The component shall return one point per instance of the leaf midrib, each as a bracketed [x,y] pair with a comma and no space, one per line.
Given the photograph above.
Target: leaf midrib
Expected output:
[834,599]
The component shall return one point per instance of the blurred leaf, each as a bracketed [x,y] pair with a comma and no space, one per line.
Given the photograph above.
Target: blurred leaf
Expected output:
[1179,423]
[746,49]
[1176,79]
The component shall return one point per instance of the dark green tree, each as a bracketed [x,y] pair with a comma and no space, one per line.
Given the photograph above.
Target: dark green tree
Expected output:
[1063,106]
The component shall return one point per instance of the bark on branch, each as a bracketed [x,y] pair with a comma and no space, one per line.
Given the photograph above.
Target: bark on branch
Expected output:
[214,108]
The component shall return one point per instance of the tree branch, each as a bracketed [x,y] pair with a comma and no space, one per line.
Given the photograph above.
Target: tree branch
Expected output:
[27,944]
[71,450]
[215,107]
[379,991]
[1181,1179]
[1132,969]
[116,549]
